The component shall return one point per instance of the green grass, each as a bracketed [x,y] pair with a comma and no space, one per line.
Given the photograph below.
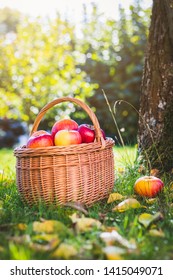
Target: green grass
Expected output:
[21,237]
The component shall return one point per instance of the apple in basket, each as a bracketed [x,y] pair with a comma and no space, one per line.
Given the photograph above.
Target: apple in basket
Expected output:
[87,133]
[67,137]
[40,138]
[65,124]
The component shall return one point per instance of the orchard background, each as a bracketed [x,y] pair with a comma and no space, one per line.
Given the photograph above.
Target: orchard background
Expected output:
[44,58]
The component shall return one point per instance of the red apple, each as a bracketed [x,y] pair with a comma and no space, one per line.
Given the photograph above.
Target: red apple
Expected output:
[148,186]
[67,137]
[87,133]
[65,124]
[39,139]
[40,132]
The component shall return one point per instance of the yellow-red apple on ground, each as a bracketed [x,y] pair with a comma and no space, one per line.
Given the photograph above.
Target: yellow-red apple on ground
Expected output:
[148,186]
[67,137]
[65,124]
[40,139]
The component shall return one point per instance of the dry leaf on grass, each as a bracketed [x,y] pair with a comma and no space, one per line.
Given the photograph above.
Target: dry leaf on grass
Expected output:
[111,237]
[49,226]
[45,247]
[65,251]
[113,252]
[156,233]
[154,172]
[114,196]
[84,224]
[22,239]
[45,237]
[146,219]
[21,226]
[129,203]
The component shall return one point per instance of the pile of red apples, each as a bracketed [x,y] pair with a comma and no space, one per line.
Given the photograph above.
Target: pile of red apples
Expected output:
[64,133]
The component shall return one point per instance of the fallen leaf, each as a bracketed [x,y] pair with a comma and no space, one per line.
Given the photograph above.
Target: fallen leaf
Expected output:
[111,237]
[84,224]
[110,229]
[65,251]
[54,241]
[45,237]
[121,170]
[154,172]
[22,239]
[156,233]
[49,226]
[146,219]
[129,203]
[113,252]
[21,226]
[114,196]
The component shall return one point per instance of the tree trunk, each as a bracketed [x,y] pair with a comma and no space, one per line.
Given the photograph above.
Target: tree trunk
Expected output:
[155,137]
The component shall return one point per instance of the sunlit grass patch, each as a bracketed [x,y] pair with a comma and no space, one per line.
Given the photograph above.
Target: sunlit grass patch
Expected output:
[99,232]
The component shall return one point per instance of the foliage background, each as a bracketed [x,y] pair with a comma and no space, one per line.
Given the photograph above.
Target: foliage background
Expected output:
[43,59]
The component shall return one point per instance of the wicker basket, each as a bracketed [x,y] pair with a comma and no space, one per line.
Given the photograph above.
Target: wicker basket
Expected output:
[58,174]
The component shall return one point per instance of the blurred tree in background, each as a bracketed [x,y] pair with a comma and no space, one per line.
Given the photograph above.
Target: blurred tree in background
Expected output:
[43,59]
[38,64]
[114,60]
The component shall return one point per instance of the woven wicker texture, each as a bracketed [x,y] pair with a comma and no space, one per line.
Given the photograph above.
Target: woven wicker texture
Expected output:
[58,174]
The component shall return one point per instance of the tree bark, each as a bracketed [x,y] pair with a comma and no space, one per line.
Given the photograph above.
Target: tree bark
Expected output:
[155,137]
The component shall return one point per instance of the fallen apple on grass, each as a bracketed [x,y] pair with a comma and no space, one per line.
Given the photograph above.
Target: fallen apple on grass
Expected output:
[67,137]
[87,133]
[148,186]
[40,139]
[65,124]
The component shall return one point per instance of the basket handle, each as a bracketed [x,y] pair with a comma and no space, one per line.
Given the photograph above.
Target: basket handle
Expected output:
[85,107]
